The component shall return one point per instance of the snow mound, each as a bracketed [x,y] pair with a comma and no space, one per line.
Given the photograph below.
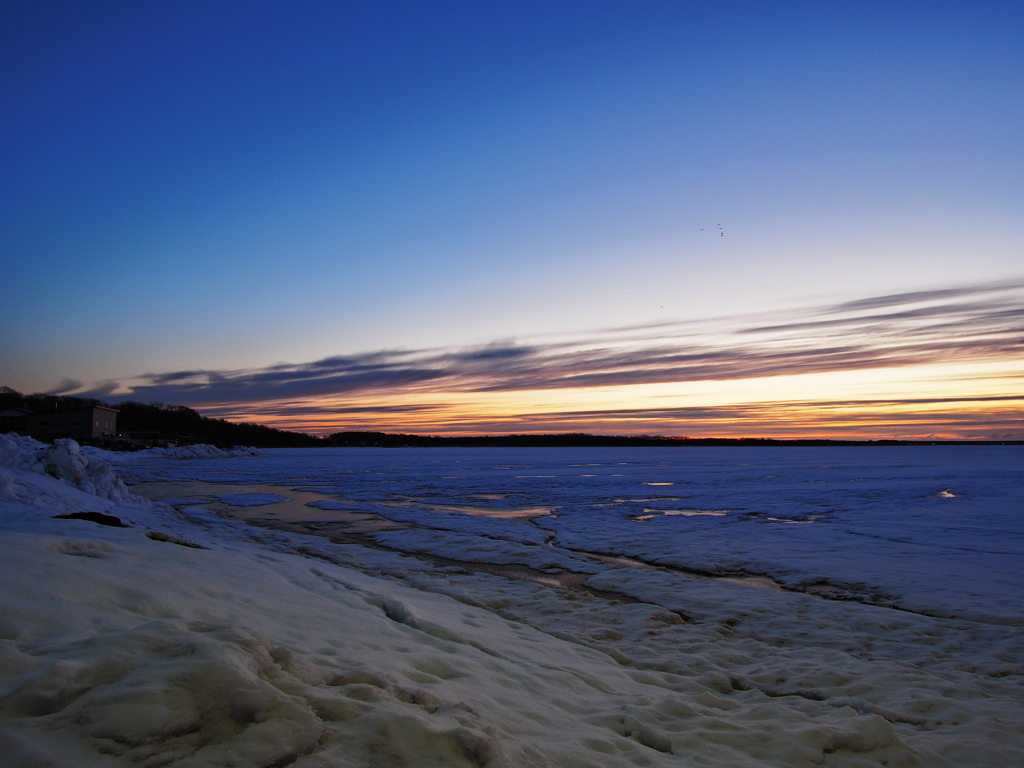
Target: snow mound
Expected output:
[64,460]
[203,451]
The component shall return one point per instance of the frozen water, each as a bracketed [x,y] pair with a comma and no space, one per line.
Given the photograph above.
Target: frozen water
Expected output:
[618,630]
[933,529]
[250,499]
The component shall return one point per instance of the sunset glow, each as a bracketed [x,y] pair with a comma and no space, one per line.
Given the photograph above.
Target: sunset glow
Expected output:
[849,405]
[784,219]
[880,384]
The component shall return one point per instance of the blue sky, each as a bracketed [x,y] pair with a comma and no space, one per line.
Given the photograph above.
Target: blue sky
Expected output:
[224,186]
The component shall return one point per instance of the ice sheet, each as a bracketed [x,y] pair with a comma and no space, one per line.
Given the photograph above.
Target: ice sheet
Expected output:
[269,647]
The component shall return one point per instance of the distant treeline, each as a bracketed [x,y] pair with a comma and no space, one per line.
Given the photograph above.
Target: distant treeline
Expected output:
[179,421]
[171,423]
[386,440]
[580,439]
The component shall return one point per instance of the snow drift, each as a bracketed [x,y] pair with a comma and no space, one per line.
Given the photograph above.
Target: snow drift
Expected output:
[265,649]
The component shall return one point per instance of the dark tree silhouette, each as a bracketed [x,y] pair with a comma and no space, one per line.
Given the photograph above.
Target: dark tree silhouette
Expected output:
[166,422]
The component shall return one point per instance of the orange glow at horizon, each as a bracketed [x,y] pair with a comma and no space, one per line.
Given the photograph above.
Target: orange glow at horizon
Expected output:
[969,400]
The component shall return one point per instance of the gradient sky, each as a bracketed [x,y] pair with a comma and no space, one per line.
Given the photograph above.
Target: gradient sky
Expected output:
[665,217]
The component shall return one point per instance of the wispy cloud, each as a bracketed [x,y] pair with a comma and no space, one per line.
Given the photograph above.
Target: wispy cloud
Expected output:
[916,297]
[66,385]
[973,323]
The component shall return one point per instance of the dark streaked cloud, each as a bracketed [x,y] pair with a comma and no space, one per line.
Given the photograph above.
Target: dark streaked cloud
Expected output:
[66,385]
[896,299]
[278,409]
[976,312]
[964,324]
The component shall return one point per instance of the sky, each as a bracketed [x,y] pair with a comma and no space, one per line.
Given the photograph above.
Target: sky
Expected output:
[682,218]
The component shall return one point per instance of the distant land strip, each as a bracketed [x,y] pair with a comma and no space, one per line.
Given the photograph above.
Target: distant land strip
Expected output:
[579,439]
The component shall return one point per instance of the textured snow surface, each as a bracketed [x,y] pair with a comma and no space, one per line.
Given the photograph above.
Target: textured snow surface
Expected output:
[273,647]
[200,451]
[64,460]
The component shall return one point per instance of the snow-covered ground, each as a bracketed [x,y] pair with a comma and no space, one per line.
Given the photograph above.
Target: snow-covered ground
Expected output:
[523,607]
